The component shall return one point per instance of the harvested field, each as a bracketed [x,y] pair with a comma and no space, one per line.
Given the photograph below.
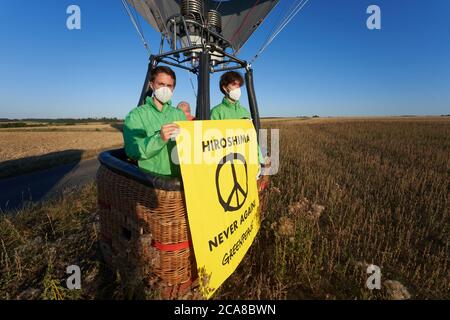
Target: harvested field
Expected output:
[348,194]
[25,151]
[64,127]
[17,145]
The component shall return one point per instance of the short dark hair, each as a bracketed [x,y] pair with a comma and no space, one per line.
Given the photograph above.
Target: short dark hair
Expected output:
[163,69]
[230,77]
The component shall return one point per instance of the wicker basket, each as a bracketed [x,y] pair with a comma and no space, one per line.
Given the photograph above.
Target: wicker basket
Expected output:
[144,227]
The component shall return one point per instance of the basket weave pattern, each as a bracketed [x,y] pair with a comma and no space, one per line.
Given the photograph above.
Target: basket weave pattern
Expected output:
[144,232]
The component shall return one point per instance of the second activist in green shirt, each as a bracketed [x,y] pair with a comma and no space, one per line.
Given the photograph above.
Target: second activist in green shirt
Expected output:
[230,108]
[148,128]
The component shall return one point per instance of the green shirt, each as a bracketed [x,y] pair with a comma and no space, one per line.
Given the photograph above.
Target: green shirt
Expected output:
[229,111]
[143,142]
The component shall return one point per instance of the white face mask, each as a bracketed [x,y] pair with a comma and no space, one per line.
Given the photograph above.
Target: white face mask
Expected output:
[235,94]
[163,94]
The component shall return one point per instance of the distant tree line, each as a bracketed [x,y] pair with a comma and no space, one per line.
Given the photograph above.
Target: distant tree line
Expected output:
[15,125]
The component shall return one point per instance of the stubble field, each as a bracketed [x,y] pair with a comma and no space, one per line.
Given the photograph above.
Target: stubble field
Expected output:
[24,150]
[17,145]
[348,194]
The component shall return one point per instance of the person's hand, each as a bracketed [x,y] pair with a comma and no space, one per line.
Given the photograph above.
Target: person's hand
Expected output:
[168,131]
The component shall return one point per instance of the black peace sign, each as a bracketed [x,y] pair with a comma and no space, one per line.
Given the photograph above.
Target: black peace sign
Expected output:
[238,191]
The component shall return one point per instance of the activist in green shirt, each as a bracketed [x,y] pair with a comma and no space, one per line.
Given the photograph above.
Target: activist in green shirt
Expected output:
[230,108]
[148,128]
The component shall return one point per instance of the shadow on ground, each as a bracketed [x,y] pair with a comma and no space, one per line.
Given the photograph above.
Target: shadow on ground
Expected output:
[117,126]
[16,190]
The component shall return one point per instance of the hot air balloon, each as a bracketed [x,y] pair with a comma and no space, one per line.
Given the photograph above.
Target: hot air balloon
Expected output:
[206,35]
[144,229]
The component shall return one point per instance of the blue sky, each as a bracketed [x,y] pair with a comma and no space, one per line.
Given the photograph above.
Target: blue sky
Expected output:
[326,62]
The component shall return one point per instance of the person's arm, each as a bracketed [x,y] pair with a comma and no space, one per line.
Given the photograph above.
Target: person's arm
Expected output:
[260,155]
[138,145]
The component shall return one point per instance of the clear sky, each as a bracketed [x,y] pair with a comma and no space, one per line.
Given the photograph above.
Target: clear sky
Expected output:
[326,62]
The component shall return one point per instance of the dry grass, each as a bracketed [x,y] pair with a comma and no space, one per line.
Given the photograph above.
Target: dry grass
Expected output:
[27,151]
[17,145]
[385,187]
[38,243]
[329,120]
[81,127]
[348,194]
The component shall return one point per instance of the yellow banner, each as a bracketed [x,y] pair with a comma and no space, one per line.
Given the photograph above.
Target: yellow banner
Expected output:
[219,166]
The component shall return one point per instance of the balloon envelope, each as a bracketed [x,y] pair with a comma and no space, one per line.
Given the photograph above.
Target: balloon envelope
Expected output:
[240,18]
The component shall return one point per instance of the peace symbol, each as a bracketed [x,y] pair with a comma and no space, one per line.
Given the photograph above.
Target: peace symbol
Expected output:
[235,199]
